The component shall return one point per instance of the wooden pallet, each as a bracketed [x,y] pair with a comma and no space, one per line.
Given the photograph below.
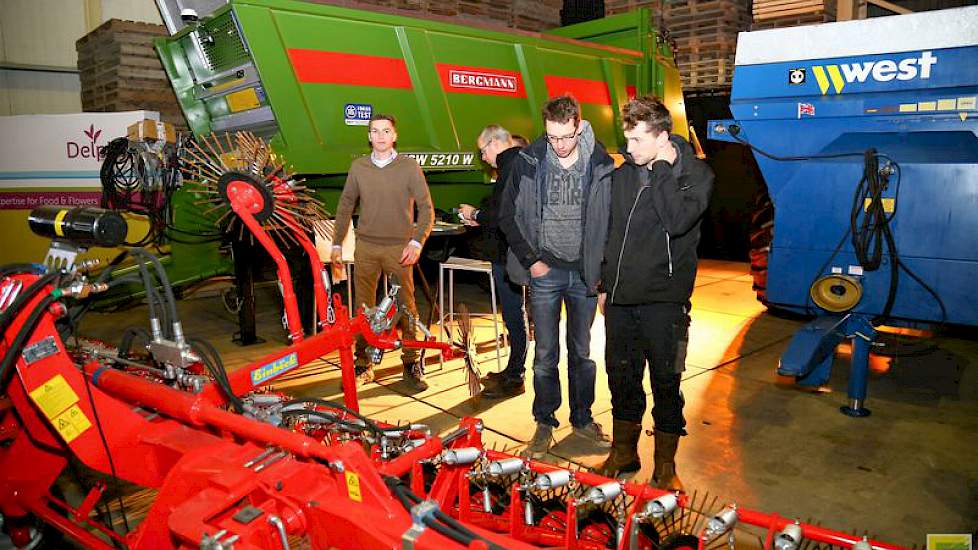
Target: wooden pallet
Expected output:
[792,21]
[119,70]
[707,73]
[766,9]
[612,7]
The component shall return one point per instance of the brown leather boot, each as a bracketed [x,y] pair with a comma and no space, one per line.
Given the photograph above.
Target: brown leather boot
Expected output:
[623,458]
[664,475]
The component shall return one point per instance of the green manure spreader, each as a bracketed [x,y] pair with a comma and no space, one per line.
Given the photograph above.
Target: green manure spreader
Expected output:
[307,77]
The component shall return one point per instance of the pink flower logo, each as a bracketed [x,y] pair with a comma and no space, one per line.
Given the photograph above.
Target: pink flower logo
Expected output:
[92,133]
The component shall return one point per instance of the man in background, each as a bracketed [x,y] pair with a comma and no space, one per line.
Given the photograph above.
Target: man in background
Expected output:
[499,151]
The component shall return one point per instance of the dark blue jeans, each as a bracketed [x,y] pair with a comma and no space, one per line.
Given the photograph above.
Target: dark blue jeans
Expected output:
[511,300]
[547,294]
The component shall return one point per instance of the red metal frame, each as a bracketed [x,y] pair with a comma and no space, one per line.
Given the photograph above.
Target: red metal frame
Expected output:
[217,472]
[202,460]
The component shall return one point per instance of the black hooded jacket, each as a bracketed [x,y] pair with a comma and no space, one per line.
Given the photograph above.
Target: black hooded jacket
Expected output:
[488,216]
[650,254]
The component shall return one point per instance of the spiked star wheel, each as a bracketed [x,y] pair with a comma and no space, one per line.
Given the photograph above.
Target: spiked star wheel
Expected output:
[467,343]
[240,172]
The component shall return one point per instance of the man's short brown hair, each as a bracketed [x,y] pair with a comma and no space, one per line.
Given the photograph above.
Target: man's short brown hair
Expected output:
[382,116]
[562,109]
[650,110]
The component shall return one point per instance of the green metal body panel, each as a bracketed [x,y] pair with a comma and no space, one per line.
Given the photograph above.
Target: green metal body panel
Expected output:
[287,70]
[252,45]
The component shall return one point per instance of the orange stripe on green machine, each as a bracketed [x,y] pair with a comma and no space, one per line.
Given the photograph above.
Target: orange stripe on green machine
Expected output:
[585,90]
[323,67]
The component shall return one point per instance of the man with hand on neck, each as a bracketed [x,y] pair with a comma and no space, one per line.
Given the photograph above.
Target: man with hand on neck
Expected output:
[657,200]
[387,187]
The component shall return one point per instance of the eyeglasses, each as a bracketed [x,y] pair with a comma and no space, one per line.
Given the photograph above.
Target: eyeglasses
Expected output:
[485,147]
[554,140]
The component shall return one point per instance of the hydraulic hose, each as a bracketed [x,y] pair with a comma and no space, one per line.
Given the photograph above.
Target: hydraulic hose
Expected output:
[28,294]
[164,282]
[24,334]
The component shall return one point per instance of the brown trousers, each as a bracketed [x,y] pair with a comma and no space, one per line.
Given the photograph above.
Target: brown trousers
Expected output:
[370,261]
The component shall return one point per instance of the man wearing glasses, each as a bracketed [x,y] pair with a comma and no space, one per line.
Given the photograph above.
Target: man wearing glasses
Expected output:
[555,217]
[388,187]
[499,151]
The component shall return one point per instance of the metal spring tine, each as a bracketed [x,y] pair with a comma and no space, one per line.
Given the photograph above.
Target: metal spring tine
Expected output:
[213,209]
[217,157]
[228,141]
[219,221]
[203,162]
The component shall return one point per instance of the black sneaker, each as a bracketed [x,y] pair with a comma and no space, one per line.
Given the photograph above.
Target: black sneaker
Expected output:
[414,377]
[493,378]
[505,387]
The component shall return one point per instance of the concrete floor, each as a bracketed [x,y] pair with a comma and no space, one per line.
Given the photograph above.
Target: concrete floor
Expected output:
[754,438]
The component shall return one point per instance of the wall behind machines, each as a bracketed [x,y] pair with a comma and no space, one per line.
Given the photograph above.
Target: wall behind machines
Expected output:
[38,62]
[53,159]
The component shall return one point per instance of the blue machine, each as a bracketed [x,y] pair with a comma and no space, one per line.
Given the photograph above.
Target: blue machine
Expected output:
[865,132]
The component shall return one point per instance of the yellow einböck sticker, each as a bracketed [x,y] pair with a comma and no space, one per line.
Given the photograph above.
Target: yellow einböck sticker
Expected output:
[353,486]
[71,423]
[54,396]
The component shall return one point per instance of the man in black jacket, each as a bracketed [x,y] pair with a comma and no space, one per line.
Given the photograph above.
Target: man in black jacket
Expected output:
[658,197]
[555,217]
[499,151]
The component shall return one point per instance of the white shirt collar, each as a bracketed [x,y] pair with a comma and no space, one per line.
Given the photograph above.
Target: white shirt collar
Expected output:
[380,163]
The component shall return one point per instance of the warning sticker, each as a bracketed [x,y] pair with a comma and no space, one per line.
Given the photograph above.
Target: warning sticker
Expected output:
[243,100]
[54,396]
[71,423]
[353,486]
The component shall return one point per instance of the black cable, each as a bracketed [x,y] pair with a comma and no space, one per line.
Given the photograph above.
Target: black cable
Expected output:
[122,177]
[734,131]
[164,281]
[353,426]
[25,332]
[13,310]
[105,445]
[409,499]
[215,365]
[128,337]
[439,521]
[336,405]
[876,223]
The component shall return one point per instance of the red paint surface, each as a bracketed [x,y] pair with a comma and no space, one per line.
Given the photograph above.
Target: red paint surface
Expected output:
[322,67]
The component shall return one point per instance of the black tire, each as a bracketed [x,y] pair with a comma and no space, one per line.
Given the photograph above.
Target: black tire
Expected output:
[761,237]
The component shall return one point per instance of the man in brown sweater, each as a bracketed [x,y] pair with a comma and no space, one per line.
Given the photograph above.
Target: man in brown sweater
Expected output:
[388,187]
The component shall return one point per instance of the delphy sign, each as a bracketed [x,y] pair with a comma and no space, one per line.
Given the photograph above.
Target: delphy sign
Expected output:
[55,159]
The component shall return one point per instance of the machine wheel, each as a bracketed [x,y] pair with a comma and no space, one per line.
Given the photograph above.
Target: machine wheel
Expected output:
[761,237]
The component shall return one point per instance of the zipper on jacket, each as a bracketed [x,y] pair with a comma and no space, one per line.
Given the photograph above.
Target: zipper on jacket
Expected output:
[669,251]
[624,241]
